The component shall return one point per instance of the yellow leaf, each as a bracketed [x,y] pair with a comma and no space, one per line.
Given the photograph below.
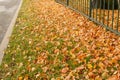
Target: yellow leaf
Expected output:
[101,65]
[98,78]
[89,66]
[20,78]
[102,58]
[37,48]
[104,74]
[72,54]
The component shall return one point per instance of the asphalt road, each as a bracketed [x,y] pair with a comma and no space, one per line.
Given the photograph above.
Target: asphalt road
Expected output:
[7,11]
[8,14]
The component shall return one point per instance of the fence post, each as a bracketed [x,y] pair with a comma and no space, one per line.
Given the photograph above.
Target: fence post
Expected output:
[67,2]
[90,8]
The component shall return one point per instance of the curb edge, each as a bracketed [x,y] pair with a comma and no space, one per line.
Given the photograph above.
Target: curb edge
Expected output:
[8,33]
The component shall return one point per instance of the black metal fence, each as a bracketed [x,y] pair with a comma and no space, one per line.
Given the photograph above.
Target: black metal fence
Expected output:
[103,12]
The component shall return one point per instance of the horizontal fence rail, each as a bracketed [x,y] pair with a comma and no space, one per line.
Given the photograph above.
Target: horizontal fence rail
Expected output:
[103,12]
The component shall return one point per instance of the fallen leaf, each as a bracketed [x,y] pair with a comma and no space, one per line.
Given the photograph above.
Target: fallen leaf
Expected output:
[114,77]
[65,70]
[89,66]
[20,78]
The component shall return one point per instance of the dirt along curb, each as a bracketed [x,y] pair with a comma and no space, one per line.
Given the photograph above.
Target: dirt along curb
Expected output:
[8,33]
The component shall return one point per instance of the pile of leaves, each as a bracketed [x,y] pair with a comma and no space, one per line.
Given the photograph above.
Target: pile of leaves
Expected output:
[52,42]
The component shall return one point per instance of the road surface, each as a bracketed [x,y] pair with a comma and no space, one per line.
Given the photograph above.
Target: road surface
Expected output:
[8,10]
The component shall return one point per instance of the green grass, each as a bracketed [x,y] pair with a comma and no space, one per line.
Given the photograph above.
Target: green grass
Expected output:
[38,50]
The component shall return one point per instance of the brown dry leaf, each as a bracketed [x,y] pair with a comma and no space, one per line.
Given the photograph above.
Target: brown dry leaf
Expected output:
[26,77]
[37,48]
[68,31]
[45,69]
[80,68]
[114,77]
[98,78]
[81,56]
[115,59]
[28,68]
[65,70]
[56,51]
[64,50]
[91,75]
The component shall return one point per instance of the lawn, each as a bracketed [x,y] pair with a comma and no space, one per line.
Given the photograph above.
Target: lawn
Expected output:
[52,42]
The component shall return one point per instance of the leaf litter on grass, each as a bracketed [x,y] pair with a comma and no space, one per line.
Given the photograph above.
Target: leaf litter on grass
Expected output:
[51,42]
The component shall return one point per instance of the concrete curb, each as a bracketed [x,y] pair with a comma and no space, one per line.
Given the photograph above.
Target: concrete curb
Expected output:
[5,40]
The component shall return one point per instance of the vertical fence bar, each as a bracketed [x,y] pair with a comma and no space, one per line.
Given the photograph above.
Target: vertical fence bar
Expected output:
[118,15]
[103,10]
[78,5]
[98,11]
[75,4]
[108,13]
[83,6]
[90,8]
[67,2]
[87,7]
[113,14]
[92,3]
